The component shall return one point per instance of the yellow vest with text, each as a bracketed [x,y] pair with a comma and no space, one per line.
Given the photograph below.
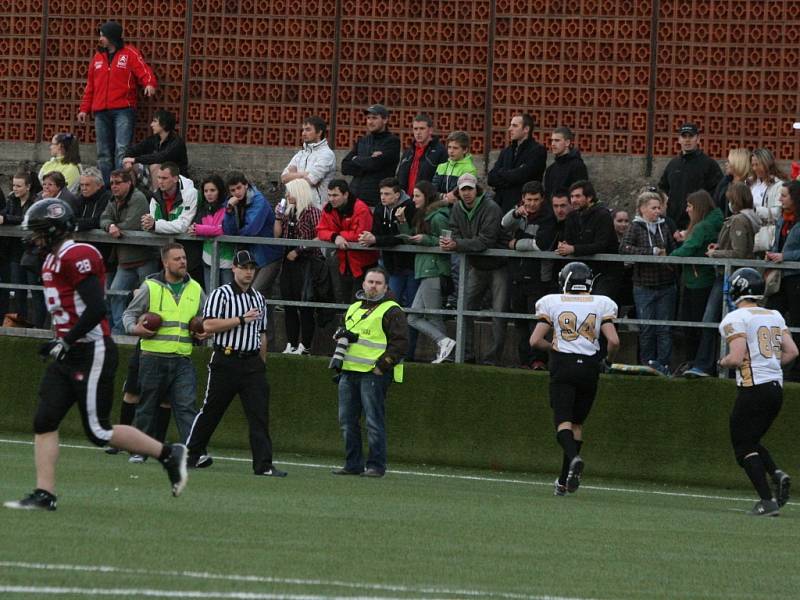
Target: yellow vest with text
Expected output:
[173,337]
[362,355]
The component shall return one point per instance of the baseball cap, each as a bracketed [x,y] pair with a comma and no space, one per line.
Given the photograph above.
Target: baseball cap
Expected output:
[467,180]
[243,257]
[688,129]
[378,109]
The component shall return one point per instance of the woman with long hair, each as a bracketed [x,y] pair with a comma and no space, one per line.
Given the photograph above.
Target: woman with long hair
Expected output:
[786,247]
[735,241]
[298,221]
[208,224]
[65,157]
[705,221]
[737,169]
[430,218]
[765,183]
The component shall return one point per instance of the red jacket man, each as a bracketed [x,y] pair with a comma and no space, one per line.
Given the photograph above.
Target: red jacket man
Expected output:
[111,85]
[343,220]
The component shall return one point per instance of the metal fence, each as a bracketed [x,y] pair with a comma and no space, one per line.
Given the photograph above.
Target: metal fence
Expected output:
[460,312]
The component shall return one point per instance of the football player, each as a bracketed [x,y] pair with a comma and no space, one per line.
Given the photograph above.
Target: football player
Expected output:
[758,345]
[577,319]
[84,357]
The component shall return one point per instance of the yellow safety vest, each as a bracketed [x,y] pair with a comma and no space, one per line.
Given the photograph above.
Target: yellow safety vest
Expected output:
[362,355]
[173,337]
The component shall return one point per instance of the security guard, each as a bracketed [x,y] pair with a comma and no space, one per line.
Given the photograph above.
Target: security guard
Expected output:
[374,334]
[237,316]
[166,372]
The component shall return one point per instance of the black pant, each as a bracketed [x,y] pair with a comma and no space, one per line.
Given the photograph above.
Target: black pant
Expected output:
[228,376]
[753,413]
[692,309]
[299,321]
[573,386]
[524,296]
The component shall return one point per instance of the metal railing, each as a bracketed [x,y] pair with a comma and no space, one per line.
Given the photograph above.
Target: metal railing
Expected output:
[460,313]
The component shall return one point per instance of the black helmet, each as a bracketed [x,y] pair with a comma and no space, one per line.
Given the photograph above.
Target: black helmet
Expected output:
[575,277]
[50,220]
[746,284]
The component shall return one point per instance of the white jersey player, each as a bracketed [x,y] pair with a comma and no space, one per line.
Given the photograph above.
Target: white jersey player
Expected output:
[577,319]
[759,343]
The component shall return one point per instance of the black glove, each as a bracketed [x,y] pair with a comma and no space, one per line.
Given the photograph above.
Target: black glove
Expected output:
[56,349]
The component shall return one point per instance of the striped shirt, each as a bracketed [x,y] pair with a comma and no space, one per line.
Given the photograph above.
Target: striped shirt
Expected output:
[229,301]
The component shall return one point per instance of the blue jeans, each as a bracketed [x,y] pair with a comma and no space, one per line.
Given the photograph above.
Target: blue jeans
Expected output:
[404,287]
[707,349]
[166,379]
[225,276]
[656,303]
[363,392]
[126,279]
[114,133]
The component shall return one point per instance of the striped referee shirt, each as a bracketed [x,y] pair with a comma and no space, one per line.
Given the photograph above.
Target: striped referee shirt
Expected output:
[229,301]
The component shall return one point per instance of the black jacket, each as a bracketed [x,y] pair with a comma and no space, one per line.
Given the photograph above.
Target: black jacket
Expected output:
[434,154]
[385,230]
[542,229]
[153,151]
[565,170]
[88,210]
[685,174]
[367,171]
[517,165]
[591,231]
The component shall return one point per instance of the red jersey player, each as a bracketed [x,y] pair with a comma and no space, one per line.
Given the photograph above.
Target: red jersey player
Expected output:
[85,356]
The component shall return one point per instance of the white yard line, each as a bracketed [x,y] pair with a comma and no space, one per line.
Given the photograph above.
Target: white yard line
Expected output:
[402,589]
[461,477]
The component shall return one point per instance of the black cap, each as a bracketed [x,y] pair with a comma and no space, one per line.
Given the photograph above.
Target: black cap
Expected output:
[113,31]
[243,257]
[688,129]
[378,109]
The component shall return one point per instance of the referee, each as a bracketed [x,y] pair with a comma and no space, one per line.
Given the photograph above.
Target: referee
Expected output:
[236,315]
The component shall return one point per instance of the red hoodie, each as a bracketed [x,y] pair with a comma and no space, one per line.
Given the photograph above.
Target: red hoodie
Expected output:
[350,222]
[114,86]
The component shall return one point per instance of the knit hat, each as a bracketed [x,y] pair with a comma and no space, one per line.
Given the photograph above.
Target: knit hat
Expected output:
[113,31]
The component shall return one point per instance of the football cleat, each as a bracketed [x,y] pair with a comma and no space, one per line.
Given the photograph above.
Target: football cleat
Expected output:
[559,489]
[574,475]
[37,500]
[764,508]
[783,485]
[271,472]
[175,466]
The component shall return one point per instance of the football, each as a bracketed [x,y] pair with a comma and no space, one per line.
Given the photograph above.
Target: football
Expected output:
[196,325]
[150,321]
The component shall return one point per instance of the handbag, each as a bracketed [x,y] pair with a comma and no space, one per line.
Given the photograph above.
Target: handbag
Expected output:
[772,281]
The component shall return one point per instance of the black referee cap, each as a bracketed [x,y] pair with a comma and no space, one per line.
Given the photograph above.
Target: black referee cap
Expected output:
[243,257]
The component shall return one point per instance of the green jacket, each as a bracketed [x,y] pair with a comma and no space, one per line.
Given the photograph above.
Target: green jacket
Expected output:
[431,265]
[703,234]
[447,173]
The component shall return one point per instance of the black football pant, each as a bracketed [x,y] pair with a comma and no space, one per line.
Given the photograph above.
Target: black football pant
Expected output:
[229,375]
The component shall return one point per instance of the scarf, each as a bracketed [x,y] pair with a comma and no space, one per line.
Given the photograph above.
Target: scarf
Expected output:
[789,219]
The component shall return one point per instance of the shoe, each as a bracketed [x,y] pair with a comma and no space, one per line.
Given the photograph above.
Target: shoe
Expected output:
[783,485]
[175,466]
[288,350]
[344,471]
[200,462]
[662,369]
[446,346]
[137,459]
[574,475]
[695,373]
[373,472]
[37,500]
[272,472]
[538,365]
[111,450]
[764,508]
[301,350]
[559,489]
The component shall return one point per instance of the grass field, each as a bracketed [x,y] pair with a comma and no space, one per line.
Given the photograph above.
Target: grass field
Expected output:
[418,533]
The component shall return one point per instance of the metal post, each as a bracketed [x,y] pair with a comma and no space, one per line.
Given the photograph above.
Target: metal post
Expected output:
[461,301]
[726,276]
[214,281]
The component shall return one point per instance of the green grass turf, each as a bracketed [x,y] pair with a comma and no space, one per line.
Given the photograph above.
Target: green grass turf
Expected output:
[420,532]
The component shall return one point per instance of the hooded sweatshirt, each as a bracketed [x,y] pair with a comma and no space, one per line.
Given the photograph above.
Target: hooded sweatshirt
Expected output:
[447,173]
[564,171]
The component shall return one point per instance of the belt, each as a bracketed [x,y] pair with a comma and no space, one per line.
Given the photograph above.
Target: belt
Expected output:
[228,351]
